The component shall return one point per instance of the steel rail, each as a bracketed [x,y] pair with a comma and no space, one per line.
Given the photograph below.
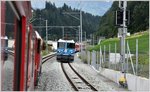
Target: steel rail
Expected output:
[47,58]
[85,81]
[11,53]
[79,76]
[72,84]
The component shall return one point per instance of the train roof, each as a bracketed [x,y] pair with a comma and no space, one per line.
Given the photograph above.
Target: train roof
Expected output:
[37,35]
[68,41]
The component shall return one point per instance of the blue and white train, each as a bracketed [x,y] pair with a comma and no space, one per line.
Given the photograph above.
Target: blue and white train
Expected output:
[65,50]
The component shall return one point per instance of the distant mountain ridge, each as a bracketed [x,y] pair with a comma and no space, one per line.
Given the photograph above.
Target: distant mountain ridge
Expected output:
[56,17]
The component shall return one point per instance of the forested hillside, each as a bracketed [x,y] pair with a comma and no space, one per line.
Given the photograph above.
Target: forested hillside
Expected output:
[56,17]
[139,19]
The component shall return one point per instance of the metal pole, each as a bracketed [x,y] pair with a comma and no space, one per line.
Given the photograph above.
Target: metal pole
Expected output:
[93,39]
[88,57]
[40,25]
[63,32]
[79,34]
[115,61]
[104,54]
[81,27]
[130,58]
[79,39]
[46,38]
[115,57]
[124,33]
[136,62]
[136,56]
[109,56]
[100,55]
[127,60]
[76,36]
[85,36]
[97,64]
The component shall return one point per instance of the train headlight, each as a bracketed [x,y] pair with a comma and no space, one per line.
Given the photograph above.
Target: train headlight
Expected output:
[72,52]
[58,51]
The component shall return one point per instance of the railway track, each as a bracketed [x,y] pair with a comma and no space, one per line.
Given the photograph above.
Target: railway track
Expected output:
[10,52]
[76,80]
[44,59]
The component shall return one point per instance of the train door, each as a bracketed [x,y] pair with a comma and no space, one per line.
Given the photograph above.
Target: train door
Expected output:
[8,24]
[14,27]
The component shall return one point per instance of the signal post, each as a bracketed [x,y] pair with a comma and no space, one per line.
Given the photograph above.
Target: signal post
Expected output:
[122,18]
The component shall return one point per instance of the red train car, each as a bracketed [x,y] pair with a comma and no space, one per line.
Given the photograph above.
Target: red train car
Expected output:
[38,58]
[78,47]
[21,70]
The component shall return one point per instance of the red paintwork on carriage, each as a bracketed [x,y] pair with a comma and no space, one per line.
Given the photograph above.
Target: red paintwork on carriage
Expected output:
[38,43]
[24,79]
[24,10]
[77,47]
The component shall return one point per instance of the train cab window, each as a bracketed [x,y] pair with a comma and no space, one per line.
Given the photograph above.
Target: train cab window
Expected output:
[61,45]
[71,45]
[8,29]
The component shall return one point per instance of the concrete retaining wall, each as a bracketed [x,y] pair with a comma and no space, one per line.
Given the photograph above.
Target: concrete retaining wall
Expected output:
[135,83]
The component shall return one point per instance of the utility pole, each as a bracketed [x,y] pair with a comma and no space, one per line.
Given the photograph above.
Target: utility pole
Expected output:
[46,38]
[63,32]
[123,37]
[77,38]
[40,25]
[93,39]
[81,27]
[124,33]
[85,35]
[79,34]
[121,21]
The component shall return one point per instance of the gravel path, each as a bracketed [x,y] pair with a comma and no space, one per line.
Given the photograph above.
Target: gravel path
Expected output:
[7,84]
[52,77]
[101,83]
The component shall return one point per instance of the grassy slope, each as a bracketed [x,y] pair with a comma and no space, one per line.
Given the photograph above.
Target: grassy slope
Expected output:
[143,39]
[143,43]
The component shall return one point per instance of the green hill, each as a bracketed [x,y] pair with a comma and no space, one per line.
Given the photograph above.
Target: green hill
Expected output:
[138,19]
[56,17]
[143,39]
[143,55]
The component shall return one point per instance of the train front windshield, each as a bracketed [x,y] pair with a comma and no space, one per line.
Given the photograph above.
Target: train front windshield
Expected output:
[71,45]
[61,45]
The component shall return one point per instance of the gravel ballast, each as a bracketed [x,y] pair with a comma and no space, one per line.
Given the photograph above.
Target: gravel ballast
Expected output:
[52,77]
[95,78]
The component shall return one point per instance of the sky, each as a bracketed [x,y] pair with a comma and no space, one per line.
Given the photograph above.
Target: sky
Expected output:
[95,7]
